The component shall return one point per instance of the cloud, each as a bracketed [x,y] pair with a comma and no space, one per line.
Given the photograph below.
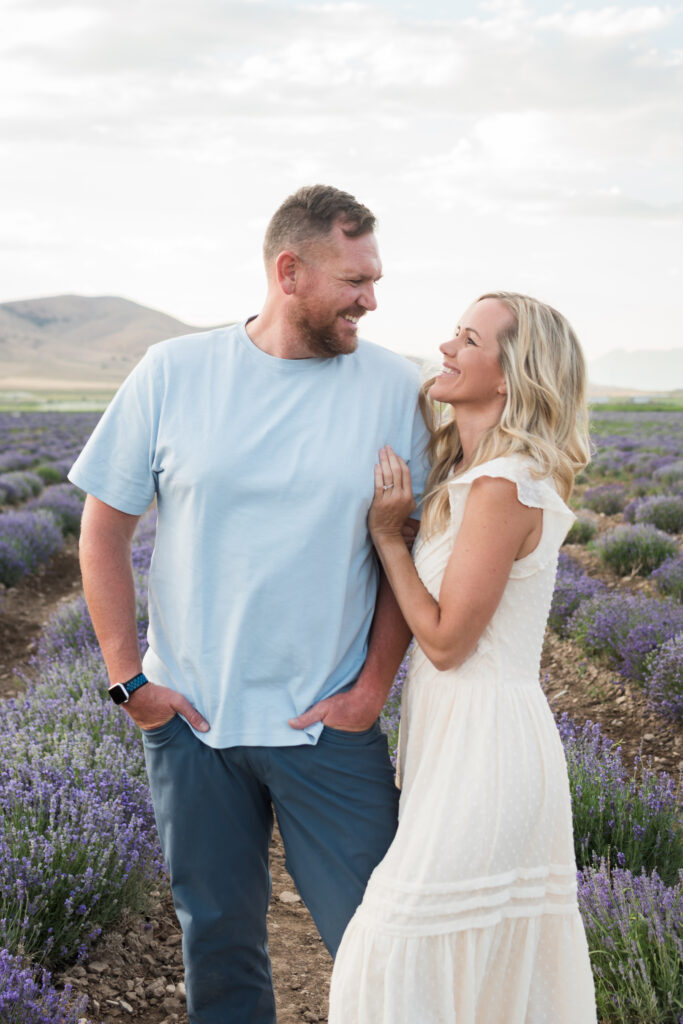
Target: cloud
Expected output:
[610,22]
[150,123]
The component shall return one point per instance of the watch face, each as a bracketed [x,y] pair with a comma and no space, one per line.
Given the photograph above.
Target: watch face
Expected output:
[118,693]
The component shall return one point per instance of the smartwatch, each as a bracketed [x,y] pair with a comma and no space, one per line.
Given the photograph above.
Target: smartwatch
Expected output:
[120,692]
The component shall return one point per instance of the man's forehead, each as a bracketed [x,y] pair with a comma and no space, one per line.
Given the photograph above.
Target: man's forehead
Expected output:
[352,251]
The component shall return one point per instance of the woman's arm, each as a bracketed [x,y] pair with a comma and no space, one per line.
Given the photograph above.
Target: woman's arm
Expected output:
[496,529]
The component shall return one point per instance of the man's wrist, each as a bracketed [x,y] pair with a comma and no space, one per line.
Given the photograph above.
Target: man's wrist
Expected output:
[121,693]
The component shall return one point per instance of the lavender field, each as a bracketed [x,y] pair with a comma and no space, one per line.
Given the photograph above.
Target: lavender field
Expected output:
[77,841]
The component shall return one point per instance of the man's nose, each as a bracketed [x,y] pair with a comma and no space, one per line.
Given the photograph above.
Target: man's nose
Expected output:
[367,299]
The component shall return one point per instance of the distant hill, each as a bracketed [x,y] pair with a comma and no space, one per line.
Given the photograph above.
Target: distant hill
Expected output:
[643,371]
[73,338]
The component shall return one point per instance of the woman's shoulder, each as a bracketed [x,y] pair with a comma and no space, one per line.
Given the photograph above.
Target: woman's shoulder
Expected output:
[512,467]
[534,488]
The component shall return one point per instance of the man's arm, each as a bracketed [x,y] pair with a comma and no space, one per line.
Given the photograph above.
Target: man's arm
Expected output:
[357,708]
[104,550]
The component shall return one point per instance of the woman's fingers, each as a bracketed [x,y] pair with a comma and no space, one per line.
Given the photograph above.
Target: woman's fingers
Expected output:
[395,472]
[385,468]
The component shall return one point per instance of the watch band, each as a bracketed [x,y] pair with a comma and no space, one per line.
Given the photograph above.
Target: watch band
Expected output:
[120,693]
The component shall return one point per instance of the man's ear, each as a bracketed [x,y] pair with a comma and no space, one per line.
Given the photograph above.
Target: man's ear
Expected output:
[286,267]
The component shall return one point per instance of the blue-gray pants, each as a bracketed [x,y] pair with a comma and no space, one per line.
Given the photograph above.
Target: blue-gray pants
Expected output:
[336,806]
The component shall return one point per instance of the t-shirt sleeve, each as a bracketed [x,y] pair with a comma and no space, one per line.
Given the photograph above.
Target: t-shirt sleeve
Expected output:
[117,463]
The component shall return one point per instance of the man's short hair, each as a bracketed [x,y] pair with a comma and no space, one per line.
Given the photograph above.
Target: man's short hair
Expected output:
[310,214]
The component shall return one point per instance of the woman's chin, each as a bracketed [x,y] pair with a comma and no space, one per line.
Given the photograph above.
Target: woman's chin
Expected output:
[439,393]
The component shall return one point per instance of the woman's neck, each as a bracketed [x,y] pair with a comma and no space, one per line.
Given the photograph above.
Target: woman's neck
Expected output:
[472,427]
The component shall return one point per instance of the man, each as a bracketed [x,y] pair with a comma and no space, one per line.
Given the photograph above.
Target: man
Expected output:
[271,644]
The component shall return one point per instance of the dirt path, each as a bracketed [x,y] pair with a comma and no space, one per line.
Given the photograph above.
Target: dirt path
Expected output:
[135,972]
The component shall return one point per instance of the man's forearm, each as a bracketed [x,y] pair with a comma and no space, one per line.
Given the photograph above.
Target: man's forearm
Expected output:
[389,639]
[104,551]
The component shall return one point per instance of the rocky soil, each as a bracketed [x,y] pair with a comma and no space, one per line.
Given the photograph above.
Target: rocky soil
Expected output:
[135,971]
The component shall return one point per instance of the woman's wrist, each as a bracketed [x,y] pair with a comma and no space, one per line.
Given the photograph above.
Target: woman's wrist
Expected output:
[388,543]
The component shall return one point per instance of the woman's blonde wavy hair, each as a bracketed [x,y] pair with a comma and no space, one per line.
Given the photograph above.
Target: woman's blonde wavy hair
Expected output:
[545,414]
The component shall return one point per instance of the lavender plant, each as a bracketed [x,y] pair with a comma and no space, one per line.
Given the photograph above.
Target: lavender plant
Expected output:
[27,540]
[671,473]
[13,459]
[622,629]
[572,586]
[633,925]
[51,472]
[635,818]
[668,578]
[28,997]
[77,837]
[665,511]
[581,531]
[664,679]
[65,502]
[606,498]
[629,515]
[635,549]
[17,487]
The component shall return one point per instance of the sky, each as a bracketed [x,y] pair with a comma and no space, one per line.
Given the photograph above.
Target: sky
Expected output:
[516,144]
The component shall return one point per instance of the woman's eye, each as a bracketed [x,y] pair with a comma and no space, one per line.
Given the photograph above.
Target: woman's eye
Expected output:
[471,341]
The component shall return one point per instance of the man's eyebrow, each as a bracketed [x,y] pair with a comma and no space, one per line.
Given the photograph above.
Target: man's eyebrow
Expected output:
[353,276]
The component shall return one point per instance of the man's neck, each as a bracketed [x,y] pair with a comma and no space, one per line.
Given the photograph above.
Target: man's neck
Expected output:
[276,338]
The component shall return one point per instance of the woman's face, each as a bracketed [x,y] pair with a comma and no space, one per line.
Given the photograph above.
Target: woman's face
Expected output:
[471,373]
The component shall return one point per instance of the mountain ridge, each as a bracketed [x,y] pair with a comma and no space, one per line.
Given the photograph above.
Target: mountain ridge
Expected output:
[93,339]
[63,340]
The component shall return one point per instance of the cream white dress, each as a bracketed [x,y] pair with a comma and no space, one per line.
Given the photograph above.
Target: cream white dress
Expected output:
[472,916]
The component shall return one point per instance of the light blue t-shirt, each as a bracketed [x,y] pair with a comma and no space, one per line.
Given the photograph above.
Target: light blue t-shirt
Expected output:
[263,579]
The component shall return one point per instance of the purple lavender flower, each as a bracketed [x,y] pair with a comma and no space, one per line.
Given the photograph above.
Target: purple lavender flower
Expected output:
[77,836]
[28,997]
[633,925]
[664,680]
[622,629]
[19,486]
[572,586]
[665,511]
[635,549]
[668,578]
[391,712]
[606,498]
[27,540]
[635,817]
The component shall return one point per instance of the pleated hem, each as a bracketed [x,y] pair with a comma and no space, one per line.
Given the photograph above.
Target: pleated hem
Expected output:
[526,970]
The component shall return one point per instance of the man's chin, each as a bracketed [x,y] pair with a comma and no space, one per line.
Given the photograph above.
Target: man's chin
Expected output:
[330,346]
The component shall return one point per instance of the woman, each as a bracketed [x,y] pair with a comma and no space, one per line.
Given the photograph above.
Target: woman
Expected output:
[471,917]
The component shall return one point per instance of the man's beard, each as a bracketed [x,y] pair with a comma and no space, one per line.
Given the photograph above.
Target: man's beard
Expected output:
[324,341]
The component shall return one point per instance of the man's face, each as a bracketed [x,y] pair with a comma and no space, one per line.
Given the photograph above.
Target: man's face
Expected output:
[335,287]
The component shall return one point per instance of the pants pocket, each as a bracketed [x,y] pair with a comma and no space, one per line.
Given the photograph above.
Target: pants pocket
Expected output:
[162,734]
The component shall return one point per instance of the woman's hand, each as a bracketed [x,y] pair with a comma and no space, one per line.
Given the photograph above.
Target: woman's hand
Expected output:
[393,501]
